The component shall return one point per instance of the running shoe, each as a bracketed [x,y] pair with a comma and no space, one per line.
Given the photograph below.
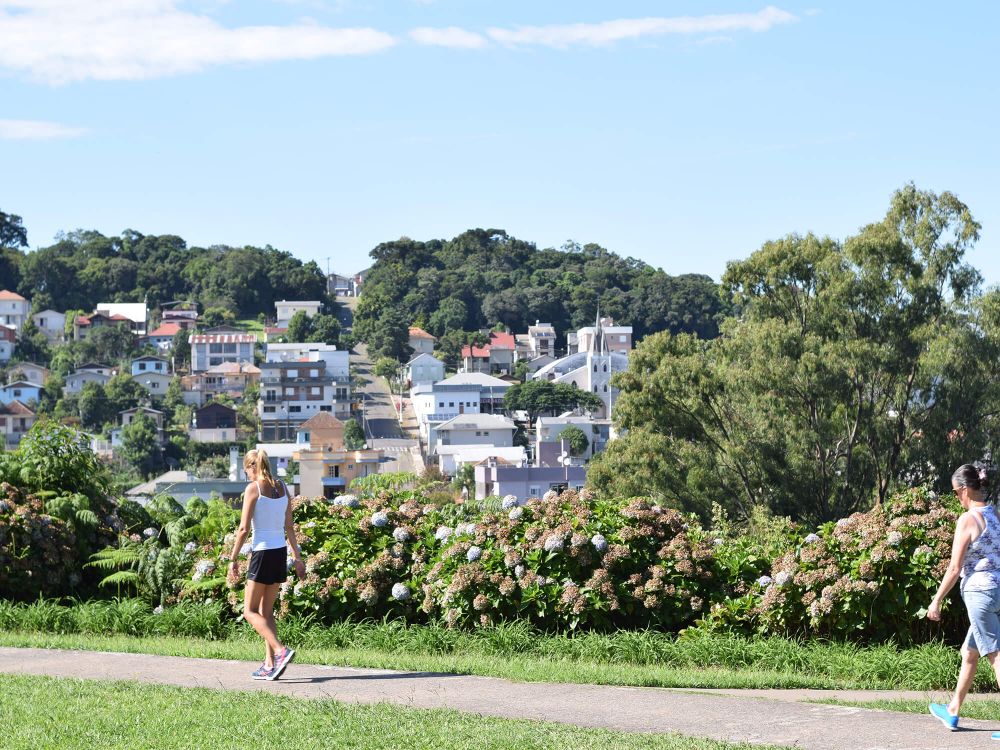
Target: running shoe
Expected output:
[940,712]
[262,673]
[995,736]
[281,661]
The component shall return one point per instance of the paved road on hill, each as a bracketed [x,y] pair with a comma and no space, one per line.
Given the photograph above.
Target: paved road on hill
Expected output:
[381,421]
[774,717]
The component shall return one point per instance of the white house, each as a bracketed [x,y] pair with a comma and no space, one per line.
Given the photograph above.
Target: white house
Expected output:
[423,369]
[451,458]
[22,391]
[129,415]
[605,336]
[88,373]
[162,339]
[477,429]
[30,372]
[147,364]
[8,341]
[16,420]
[420,341]
[14,309]
[52,324]
[136,312]
[465,393]
[154,383]
[284,310]
[548,446]
[337,360]
[211,349]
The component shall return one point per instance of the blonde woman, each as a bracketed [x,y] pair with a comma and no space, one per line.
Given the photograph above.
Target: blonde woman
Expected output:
[267,513]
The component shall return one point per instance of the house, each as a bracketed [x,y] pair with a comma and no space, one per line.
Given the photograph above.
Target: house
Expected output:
[549,448]
[184,317]
[293,392]
[476,429]
[424,368]
[590,369]
[8,341]
[215,348]
[135,312]
[213,423]
[451,458]
[30,372]
[326,467]
[154,383]
[14,309]
[496,356]
[340,286]
[162,337]
[89,373]
[183,486]
[230,378]
[464,393]
[273,334]
[284,310]
[20,390]
[52,324]
[496,477]
[281,455]
[148,363]
[127,416]
[604,336]
[84,324]
[420,341]
[540,340]
[16,419]
[534,365]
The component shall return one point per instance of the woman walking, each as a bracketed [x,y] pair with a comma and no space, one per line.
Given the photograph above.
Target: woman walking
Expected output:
[975,558]
[267,512]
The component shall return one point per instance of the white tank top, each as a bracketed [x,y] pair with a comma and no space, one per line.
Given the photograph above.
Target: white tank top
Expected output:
[268,521]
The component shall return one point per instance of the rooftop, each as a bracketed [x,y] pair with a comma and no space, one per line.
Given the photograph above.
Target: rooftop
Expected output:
[474,378]
[477,421]
[11,296]
[420,333]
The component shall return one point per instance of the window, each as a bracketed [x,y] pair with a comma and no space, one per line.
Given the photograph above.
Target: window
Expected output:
[314,373]
[142,366]
[350,467]
[605,387]
[451,404]
[295,409]
[292,374]
[215,348]
[622,339]
[533,491]
[595,367]
[478,433]
[269,409]
[605,367]
[326,408]
[486,433]
[441,404]
[315,390]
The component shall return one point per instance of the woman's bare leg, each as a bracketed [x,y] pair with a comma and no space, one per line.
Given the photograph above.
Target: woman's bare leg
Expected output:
[966,676]
[255,592]
[267,611]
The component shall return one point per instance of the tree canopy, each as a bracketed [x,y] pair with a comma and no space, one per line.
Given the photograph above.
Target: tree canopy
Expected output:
[854,368]
[538,397]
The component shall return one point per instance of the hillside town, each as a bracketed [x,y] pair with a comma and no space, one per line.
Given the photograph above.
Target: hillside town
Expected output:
[187,398]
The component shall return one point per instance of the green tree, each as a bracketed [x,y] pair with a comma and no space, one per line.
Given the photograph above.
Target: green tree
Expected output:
[390,337]
[95,408]
[32,346]
[538,397]
[181,349]
[354,435]
[124,393]
[853,368]
[386,367]
[12,231]
[299,327]
[465,479]
[450,316]
[576,439]
[325,330]
[140,445]
[108,344]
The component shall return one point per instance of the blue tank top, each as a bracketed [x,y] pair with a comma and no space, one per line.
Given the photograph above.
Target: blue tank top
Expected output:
[981,565]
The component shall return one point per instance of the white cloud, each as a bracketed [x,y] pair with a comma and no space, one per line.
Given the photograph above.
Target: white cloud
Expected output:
[608,32]
[67,40]
[452,36]
[36,130]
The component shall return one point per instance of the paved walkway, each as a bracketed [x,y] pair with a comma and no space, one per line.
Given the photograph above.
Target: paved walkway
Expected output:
[775,717]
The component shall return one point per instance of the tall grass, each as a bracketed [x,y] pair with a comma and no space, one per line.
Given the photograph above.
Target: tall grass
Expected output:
[928,667]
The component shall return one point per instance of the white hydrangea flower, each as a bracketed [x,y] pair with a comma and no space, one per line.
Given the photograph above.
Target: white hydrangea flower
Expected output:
[190,547]
[149,532]
[298,588]
[519,571]
[309,525]
[717,541]
[895,538]
[205,567]
[656,509]
[509,501]
[229,539]
[811,539]
[554,543]
[783,578]
[400,592]
[428,509]
[473,554]
[158,610]
[843,522]
[515,514]
[198,575]
[922,550]
[442,533]
[401,535]
[599,542]
[465,528]
[245,549]
[348,501]
[550,496]
[543,581]
[764,581]
[380,519]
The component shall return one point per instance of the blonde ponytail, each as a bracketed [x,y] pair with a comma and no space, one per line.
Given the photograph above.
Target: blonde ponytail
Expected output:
[258,459]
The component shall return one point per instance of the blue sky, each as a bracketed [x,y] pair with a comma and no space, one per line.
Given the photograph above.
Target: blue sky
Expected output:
[681,133]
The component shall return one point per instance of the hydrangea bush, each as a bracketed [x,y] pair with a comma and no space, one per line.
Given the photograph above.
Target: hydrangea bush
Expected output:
[38,553]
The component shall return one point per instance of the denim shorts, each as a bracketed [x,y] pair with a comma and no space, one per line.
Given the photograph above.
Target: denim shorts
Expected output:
[984,620]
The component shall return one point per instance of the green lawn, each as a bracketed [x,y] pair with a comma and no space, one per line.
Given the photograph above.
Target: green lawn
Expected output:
[55,713]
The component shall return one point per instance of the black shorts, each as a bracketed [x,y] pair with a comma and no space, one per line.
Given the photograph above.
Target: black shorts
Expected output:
[268,566]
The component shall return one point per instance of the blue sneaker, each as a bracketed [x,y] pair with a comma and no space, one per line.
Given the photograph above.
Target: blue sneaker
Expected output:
[262,673]
[940,712]
[280,662]
[995,736]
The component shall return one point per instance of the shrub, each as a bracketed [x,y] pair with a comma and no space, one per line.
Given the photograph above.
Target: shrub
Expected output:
[37,551]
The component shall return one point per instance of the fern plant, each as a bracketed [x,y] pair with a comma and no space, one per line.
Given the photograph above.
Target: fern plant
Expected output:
[155,572]
[73,508]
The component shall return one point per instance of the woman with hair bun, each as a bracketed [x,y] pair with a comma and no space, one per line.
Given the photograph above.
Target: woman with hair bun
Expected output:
[975,558]
[267,514]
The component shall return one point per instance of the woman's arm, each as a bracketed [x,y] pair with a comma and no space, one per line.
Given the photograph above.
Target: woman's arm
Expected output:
[958,547]
[250,495]
[293,542]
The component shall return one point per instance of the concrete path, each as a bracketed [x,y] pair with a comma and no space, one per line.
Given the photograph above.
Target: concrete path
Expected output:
[767,717]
